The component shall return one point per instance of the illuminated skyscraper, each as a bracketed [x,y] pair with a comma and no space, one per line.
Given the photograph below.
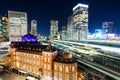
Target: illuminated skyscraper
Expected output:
[17,25]
[80,21]
[53,28]
[34,27]
[70,28]
[4,27]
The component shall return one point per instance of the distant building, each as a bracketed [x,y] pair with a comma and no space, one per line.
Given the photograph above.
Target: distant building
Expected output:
[70,28]
[4,27]
[44,60]
[53,28]
[64,33]
[108,30]
[108,27]
[34,27]
[80,21]
[17,25]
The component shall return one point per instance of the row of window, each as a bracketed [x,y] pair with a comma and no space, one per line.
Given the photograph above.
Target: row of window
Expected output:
[26,67]
[47,66]
[26,55]
[64,67]
[27,60]
[47,60]
[64,77]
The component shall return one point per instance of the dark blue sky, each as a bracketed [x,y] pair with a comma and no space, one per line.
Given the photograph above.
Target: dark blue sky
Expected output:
[45,10]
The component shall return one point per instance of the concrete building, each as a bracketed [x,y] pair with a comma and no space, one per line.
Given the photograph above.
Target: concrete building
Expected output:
[17,25]
[34,27]
[80,21]
[53,28]
[70,28]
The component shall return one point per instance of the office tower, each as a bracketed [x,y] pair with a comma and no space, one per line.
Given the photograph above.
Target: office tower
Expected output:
[70,28]
[108,27]
[34,27]
[4,27]
[17,25]
[80,21]
[53,28]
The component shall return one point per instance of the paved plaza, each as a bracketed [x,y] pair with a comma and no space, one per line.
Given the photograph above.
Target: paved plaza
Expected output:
[11,76]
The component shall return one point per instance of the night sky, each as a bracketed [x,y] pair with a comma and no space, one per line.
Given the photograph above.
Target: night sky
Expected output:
[45,10]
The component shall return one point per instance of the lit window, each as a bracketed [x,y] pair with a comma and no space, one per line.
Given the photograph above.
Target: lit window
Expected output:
[73,68]
[66,69]
[55,66]
[44,66]
[48,66]
[49,60]
[45,60]
[60,68]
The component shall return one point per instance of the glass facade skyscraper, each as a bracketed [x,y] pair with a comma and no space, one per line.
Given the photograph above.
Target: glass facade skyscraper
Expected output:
[80,21]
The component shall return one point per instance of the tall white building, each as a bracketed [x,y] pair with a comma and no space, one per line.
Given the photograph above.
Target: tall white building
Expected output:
[53,28]
[34,27]
[17,25]
[80,21]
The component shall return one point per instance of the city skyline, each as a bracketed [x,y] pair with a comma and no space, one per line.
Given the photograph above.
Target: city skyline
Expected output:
[45,11]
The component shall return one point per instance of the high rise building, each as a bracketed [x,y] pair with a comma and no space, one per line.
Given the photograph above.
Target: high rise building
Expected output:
[17,25]
[4,27]
[53,28]
[34,27]
[80,21]
[70,28]
[108,27]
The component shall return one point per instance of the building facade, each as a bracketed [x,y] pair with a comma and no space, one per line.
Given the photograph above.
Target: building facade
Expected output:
[80,21]
[42,60]
[53,28]
[34,27]
[17,25]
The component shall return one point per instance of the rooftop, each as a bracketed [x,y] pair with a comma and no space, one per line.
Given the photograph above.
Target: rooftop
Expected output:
[80,5]
[64,57]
